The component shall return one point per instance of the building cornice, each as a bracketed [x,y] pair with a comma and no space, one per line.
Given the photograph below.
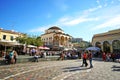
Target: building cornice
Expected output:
[109,33]
[10,31]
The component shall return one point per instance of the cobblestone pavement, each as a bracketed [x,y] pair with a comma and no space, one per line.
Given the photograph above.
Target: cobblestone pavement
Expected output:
[60,70]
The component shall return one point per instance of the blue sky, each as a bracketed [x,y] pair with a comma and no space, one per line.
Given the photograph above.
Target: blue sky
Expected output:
[79,18]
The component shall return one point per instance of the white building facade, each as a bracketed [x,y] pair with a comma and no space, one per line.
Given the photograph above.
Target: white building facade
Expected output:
[55,38]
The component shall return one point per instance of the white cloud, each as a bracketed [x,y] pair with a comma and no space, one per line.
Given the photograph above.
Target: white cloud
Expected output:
[109,17]
[42,28]
[73,22]
[70,20]
[77,21]
[113,22]
[98,1]
[39,29]
[85,12]
[100,16]
[63,19]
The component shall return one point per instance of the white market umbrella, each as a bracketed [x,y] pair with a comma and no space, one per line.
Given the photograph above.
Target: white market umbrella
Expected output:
[93,48]
[43,47]
[31,46]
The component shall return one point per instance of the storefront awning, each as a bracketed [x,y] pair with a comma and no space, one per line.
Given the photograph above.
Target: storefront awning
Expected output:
[9,43]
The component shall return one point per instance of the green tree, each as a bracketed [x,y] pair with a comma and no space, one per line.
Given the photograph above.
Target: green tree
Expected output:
[30,40]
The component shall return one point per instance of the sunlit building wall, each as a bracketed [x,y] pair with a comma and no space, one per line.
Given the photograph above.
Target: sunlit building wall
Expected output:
[108,41]
[9,35]
[55,37]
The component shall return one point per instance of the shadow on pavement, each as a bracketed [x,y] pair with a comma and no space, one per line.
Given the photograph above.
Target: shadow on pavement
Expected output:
[71,69]
[97,59]
[115,68]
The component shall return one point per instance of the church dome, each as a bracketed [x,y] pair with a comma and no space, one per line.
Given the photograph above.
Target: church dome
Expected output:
[55,28]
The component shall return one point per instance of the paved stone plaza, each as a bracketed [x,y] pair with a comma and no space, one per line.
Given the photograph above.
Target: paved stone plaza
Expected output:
[60,70]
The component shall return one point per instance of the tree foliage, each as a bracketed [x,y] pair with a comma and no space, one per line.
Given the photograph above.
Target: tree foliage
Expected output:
[30,40]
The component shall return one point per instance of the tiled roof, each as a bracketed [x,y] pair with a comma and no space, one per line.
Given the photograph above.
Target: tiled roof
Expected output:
[10,31]
[55,27]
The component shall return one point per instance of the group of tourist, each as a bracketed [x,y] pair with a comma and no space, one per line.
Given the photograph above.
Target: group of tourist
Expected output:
[11,57]
[111,56]
[68,55]
[87,55]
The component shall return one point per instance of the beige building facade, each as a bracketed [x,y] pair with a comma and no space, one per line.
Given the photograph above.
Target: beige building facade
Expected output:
[8,37]
[54,37]
[8,40]
[108,41]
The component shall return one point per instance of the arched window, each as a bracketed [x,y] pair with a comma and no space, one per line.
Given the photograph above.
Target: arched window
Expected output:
[116,46]
[62,40]
[106,46]
[98,44]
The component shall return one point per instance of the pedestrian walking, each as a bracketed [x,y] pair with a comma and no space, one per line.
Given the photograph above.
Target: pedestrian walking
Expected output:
[15,55]
[84,57]
[90,59]
[104,56]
